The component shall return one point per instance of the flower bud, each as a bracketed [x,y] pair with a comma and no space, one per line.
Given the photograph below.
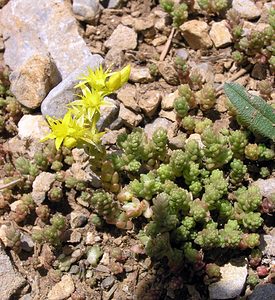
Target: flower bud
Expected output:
[114,82]
[69,142]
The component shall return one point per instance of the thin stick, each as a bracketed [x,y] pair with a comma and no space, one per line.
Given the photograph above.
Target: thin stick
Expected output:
[234,77]
[9,184]
[167,45]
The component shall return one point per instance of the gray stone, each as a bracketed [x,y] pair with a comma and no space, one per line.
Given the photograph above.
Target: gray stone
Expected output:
[122,38]
[246,9]
[27,297]
[108,282]
[55,103]
[263,292]
[114,3]
[27,243]
[32,81]
[117,124]
[86,10]
[33,127]
[41,186]
[55,32]
[81,170]
[182,53]
[11,280]
[157,123]
[128,117]
[74,269]
[108,114]
[232,281]
[196,34]
[63,289]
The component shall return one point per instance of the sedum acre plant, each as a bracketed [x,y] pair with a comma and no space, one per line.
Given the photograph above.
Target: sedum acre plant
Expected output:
[78,126]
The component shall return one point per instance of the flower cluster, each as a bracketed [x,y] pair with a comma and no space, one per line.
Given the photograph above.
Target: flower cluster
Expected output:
[78,126]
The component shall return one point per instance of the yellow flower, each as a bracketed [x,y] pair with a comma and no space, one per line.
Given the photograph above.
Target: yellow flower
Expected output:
[89,104]
[92,136]
[96,79]
[65,131]
[104,81]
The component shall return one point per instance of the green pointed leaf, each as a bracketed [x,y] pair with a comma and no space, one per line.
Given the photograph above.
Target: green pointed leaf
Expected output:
[253,111]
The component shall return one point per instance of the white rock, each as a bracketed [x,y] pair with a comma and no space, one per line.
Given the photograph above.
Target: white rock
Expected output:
[246,9]
[33,127]
[41,186]
[122,38]
[63,289]
[196,34]
[266,186]
[232,281]
[268,243]
[220,34]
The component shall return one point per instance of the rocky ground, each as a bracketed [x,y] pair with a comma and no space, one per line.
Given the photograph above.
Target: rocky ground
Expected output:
[45,46]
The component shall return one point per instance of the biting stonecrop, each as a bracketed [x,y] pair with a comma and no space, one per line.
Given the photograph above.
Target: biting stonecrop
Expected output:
[78,126]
